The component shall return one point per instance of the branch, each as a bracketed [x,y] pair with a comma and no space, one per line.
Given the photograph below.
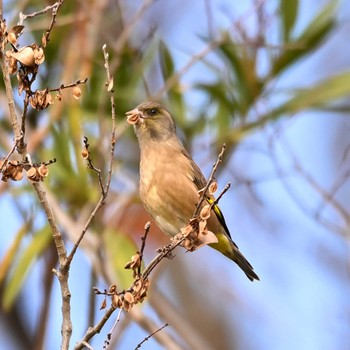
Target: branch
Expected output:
[104,188]
[150,336]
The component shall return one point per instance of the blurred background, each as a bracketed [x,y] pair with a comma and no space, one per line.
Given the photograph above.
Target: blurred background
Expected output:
[269,78]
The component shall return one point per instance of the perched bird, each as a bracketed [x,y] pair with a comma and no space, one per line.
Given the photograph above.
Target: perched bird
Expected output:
[170,180]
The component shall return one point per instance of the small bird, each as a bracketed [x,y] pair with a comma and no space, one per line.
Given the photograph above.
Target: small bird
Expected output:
[170,180]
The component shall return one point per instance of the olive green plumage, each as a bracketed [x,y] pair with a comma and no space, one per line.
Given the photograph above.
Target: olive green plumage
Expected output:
[170,180]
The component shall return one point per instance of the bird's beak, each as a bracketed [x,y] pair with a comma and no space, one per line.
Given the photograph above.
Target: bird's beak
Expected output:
[133,116]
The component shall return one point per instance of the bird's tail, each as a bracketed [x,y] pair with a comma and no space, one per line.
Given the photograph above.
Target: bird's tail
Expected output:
[243,263]
[227,247]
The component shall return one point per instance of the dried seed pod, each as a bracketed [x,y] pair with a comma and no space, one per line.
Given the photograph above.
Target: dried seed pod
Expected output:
[32,174]
[213,187]
[12,64]
[135,262]
[39,56]
[202,225]
[84,153]
[133,118]
[186,230]
[76,91]
[112,288]
[25,55]
[128,301]
[41,99]
[11,38]
[205,212]
[18,174]
[117,301]
[43,170]
[43,40]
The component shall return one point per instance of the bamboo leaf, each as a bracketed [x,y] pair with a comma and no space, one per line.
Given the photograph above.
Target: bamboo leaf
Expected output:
[312,36]
[289,12]
[119,250]
[12,251]
[176,102]
[35,248]
[320,95]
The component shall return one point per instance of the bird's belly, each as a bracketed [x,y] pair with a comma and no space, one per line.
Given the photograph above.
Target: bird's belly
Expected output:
[162,211]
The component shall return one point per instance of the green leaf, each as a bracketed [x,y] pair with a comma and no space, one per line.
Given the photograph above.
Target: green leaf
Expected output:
[119,250]
[245,84]
[11,252]
[320,95]
[15,282]
[176,102]
[312,36]
[289,11]
[166,61]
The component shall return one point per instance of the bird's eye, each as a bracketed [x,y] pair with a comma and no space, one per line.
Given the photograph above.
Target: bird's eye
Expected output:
[152,112]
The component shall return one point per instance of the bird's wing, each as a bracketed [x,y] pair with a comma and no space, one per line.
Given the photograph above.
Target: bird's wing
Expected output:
[200,182]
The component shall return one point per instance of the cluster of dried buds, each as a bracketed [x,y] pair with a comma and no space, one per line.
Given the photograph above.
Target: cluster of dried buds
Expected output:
[196,234]
[128,298]
[28,57]
[13,170]
[25,61]
[41,99]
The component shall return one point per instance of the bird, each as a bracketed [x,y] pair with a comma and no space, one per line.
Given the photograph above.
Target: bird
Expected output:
[170,180]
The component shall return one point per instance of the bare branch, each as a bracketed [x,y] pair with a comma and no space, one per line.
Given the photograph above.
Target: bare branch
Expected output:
[104,189]
[150,336]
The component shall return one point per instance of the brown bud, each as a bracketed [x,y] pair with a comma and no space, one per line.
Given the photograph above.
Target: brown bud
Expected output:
[43,40]
[85,153]
[110,85]
[112,288]
[104,304]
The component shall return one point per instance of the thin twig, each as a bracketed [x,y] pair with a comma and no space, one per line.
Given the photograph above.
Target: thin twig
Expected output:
[109,335]
[175,78]
[124,36]
[110,89]
[151,335]
[92,331]
[104,189]
[143,244]
[6,159]
[23,16]
[66,86]
[226,188]
[210,180]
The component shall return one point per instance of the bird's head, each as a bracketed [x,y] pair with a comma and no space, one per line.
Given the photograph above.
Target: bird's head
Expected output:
[152,121]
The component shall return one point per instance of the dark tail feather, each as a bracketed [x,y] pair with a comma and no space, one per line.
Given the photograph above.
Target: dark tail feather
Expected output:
[243,263]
